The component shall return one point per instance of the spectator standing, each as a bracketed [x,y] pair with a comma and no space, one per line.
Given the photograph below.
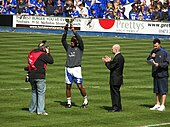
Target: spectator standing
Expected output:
[159,58]
[58,9]
[49,7]
[116,67]
[41,11]
[68,7]
[75,13]
[1,6]
[140,16]
[9,7]
[84,13]
[133,13]
[164,14]
[108,14]
[145,6]
[27,11]
[31,6]
[37,62]
[147,15]
[155,14]
[95,10]
[38,5]
[22,7]
[93,14]
[73,65]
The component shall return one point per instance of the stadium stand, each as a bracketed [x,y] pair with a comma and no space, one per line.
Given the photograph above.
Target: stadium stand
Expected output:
[155,10]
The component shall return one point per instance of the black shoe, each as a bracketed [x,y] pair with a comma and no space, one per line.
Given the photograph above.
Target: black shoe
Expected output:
[84,105]
[113,110]
[68,106]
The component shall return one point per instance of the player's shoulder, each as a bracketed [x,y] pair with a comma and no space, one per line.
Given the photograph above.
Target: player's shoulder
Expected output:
[164,50]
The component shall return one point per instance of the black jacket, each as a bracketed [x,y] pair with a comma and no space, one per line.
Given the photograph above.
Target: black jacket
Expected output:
[162,58]
[40,72]
[116,69]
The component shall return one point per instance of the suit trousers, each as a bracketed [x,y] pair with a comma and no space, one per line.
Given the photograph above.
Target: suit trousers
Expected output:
[116,97]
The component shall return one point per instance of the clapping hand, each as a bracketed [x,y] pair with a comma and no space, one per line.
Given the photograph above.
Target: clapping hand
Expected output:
[106,59]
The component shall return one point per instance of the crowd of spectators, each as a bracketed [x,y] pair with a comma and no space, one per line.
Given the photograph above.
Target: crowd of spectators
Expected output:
[156,10]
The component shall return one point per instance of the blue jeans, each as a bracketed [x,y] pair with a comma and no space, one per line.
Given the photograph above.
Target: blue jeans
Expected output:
[38,95]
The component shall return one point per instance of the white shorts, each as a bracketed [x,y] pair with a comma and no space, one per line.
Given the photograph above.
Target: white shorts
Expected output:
[73,75]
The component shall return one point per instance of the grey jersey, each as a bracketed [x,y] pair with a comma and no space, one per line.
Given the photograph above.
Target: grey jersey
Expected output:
[74,54]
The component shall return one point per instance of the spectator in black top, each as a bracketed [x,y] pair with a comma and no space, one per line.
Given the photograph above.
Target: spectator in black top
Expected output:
[155,15]
[49,7]
[58,9]
[68,7]
[164,14]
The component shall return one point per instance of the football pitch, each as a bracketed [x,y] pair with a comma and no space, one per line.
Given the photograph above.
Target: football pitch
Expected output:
[137,91]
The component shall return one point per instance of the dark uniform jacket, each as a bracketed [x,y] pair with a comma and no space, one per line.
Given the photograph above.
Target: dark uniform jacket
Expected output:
[162,58]
[116,69]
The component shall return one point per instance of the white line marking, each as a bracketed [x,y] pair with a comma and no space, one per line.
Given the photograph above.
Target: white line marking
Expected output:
[95,87]
[11,89]
[156,125]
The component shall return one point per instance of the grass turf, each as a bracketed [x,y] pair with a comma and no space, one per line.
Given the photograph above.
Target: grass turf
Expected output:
[137,95]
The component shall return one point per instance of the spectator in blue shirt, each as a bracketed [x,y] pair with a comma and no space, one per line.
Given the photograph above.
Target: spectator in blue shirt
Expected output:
[41,11]
[93,14]
[27,11]
[75,13]
[133,13]
[38,5]
[147,15]
[9,7]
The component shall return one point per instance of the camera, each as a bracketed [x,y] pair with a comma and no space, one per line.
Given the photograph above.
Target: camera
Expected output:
[27,78]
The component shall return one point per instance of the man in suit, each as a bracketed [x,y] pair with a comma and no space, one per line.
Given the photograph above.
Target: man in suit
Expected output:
[116,67]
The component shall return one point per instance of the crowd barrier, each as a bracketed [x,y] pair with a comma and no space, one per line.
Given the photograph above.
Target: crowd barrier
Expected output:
[94,27]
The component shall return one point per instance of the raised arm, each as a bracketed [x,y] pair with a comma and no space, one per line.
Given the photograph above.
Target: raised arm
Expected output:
[64,37]
[79,39]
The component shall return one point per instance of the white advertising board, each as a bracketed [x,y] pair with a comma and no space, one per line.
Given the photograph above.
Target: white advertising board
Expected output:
[94,25]
[42,22]
[125,26]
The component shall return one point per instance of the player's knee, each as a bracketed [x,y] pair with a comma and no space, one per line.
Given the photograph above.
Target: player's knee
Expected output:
[80,86]
[68,86]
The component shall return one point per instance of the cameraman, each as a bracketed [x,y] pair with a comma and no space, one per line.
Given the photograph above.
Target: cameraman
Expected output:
[37,62]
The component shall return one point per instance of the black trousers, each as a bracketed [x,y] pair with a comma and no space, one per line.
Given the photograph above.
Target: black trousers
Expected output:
[115,97]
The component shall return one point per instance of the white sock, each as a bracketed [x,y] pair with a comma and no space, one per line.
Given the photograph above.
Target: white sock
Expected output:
[85,100]
[69,100]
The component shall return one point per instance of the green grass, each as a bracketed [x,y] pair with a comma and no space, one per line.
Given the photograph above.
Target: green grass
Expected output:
[137,95]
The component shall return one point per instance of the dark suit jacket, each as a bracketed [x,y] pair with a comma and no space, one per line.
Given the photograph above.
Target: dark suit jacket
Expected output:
[116,69]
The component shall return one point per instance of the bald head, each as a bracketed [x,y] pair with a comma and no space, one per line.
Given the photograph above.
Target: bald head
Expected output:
[115,48]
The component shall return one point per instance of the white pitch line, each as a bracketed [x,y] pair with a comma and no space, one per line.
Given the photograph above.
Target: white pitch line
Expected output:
[11,89]
[94,87]
[156,125]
